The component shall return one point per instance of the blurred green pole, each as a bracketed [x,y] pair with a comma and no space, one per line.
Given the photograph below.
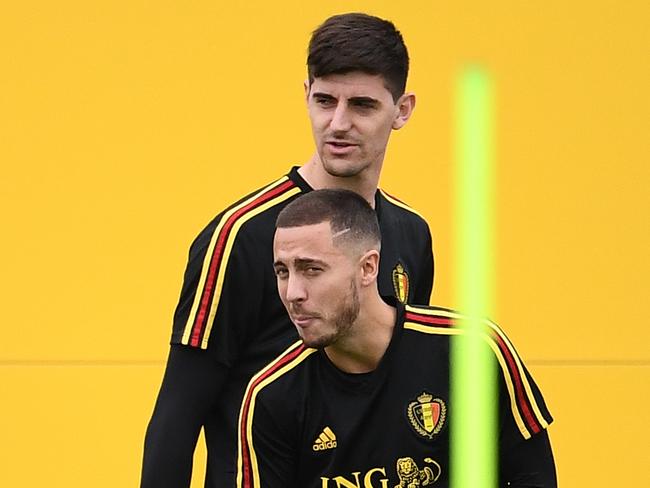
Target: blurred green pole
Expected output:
[473,439]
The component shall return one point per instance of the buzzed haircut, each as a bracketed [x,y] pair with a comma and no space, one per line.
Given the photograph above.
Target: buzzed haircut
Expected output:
[352,219]
[359,42]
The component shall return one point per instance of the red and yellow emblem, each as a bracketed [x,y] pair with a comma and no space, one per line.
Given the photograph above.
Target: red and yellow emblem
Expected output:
[427,415]
[401,283]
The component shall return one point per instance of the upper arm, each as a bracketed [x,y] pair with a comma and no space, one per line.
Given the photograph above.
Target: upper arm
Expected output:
[528,464]
[423,284]
[526,458]
[222,290]
[189,390]
[193,380]
[428,268]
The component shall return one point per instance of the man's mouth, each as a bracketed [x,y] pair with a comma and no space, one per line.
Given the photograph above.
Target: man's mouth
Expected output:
[340,143]
[302,320]
[301,317]
[340,147]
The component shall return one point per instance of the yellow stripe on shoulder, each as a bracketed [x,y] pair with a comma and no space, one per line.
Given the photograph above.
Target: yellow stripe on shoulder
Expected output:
[207,260]
[253,396]
[395,201]
[228,248]
[491,330]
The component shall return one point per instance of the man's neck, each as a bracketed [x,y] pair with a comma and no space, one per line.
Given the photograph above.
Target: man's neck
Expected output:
[371,333]
[365,184]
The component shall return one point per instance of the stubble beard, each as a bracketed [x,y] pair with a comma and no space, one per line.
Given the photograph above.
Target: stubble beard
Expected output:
[345,169]
[349,311]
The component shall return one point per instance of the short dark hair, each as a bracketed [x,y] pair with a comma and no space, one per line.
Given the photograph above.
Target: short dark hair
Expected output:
[347,212]
[359,42]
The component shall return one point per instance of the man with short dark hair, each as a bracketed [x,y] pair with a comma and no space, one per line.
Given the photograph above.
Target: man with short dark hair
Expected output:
[359,42]
[229,321]
[362,400]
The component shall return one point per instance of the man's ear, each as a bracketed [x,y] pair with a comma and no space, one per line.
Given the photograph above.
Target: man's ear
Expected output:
[405,106]
[307,88]
[369,266]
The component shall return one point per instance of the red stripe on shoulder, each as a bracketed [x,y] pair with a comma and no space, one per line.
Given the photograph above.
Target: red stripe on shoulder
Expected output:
[246,462]
[520,392]
[217,257]
[429,319]
[513,370]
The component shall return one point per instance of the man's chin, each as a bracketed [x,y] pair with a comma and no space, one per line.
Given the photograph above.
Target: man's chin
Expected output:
[342,167]
[316,342]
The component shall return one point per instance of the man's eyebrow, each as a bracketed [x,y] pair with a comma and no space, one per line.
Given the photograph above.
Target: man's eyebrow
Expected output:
[361,99]
[365,99]
[300,262]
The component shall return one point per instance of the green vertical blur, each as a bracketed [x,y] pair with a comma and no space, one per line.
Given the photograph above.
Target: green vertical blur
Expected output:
[473,440]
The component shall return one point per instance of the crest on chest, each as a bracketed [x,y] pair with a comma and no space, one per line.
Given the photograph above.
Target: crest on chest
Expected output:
[401,283]
[427,415]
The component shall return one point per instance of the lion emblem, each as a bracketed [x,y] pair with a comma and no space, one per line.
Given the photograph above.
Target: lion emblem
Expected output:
[410,476]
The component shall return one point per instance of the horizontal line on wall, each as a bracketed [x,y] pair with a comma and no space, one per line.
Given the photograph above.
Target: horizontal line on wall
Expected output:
[588,362]
[103,363]
[79,362]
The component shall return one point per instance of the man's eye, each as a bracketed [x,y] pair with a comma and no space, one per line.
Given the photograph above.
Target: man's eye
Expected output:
[281,273]
[312,270]
[364,105]
[325,102]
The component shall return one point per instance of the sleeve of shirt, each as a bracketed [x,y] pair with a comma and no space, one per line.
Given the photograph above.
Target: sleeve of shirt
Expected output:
[268,456]
[526,457]
[424,283]
[220,300]
[523,410]
[189,390]
[222,289]
[529,464]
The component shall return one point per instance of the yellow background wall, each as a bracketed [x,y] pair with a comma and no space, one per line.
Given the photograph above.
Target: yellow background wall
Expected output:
[126,125]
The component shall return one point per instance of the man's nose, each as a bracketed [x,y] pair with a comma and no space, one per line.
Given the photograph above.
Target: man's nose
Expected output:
[341,120]
[296,291]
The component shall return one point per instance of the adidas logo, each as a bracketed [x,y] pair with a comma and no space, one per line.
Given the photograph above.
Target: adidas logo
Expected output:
[326,440]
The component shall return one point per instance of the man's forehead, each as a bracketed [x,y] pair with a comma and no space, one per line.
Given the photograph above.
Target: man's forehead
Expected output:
[308,241]
[304,236]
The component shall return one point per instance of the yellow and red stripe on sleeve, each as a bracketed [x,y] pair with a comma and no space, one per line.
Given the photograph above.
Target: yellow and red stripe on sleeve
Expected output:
[524,406]
[208,292]
[248,475]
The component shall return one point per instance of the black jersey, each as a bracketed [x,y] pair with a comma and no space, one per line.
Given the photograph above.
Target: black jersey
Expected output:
[306,424]
[230,306]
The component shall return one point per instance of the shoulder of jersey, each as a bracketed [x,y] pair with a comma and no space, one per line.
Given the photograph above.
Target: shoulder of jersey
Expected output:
[526,403]
[218,240]
[433,320]
[288,362]
[256,203]
[399,204]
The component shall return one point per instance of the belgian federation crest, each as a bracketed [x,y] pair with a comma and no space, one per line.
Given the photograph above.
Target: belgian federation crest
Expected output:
[427,415]
[401,283]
